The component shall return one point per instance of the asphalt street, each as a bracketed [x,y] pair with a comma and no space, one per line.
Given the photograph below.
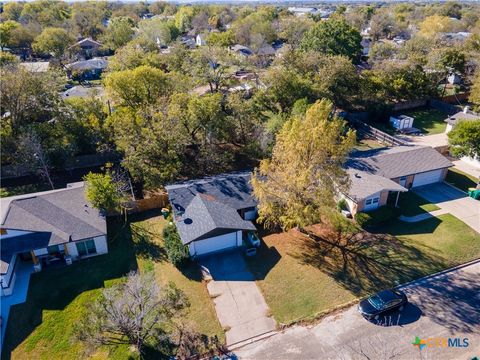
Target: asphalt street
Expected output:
[442,307]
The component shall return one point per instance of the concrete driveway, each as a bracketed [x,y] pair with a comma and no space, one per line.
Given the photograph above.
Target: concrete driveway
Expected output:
[454,201]
[446,306]
[239,304]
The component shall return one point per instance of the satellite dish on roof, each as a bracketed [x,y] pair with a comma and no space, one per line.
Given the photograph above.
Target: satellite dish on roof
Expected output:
[188,221]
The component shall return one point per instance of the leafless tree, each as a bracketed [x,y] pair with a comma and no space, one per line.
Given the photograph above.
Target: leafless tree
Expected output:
[136,312]
[32,154]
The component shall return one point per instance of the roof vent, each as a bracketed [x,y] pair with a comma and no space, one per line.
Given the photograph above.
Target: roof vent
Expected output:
[357,176]
[188,221]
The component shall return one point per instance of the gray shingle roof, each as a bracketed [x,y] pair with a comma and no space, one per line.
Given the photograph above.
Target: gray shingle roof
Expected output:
[398,161]
[452,120]
[364,184]
[64,214]
[91,64]
[205,215]
[203,206]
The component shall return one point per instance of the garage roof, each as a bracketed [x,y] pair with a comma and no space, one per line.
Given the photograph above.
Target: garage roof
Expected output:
[205,215]
[206,205]
[364,184]
[398,161]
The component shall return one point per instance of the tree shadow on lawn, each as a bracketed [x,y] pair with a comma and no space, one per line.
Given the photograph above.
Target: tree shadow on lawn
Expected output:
[55,288]
[266,257]
[366,263]
[144,244]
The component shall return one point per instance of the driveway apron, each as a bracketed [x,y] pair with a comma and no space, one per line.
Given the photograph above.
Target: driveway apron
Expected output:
[240,306]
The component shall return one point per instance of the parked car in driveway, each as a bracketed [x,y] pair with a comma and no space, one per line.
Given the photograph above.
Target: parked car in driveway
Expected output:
[382,302]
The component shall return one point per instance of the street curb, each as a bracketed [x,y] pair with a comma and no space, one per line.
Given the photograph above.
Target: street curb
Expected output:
[243,343]
[443,272]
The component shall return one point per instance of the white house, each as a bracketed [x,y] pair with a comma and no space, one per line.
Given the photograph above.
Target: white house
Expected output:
[47,228]
[213,214]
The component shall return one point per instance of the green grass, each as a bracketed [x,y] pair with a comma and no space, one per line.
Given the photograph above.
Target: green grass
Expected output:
[445,236]
[42,328]
[412,204]
[430,121]
[460,179]
[367,144]
[302,278]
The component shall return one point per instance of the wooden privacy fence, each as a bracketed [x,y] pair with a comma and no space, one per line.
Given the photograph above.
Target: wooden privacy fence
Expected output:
[379,135]
[157,200]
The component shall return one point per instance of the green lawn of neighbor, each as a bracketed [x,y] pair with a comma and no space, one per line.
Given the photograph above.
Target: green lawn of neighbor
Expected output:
[412,204]
[42,328]
[302,278]
[460,179]
[430,121]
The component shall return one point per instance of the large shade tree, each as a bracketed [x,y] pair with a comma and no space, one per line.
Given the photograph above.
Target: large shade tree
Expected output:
[333,37]
[297,186]
[465,139]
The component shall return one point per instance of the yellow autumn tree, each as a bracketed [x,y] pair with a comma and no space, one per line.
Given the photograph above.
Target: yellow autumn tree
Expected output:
[297,186]
[434,25]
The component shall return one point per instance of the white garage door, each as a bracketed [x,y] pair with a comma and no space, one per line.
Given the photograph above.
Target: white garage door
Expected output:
[429,177]
[215,243]
[371,203]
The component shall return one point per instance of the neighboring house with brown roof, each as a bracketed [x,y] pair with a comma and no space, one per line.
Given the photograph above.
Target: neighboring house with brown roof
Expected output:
[49,227]
[85,49]
[374,174]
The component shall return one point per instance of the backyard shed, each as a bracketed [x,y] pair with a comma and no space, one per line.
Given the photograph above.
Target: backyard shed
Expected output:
[401,122]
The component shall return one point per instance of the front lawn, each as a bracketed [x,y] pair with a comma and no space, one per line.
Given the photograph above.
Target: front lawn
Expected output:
[412,204]
[148,239]
[301,277]
[42,327]
[460,179]
[430,121]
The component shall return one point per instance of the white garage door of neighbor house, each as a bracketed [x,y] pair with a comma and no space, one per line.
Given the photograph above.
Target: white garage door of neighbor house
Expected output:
[216,243]
[371,203]
[428,177]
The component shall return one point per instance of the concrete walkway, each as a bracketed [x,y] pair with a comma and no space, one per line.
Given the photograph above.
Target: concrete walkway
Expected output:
[19,294]
[467,168]
[421,217]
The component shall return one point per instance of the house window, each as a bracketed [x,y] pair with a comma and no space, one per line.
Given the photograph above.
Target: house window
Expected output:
[403,178]
[54,249]
[368,202]
[375,201]
[85,248]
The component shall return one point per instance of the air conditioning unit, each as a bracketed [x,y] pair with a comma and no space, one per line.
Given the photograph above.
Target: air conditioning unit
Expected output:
[68,260]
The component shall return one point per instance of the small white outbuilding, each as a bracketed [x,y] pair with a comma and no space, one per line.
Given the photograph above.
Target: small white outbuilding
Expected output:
[401,122]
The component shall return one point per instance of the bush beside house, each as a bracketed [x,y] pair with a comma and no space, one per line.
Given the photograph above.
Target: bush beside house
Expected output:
[177,253]
[377,217]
